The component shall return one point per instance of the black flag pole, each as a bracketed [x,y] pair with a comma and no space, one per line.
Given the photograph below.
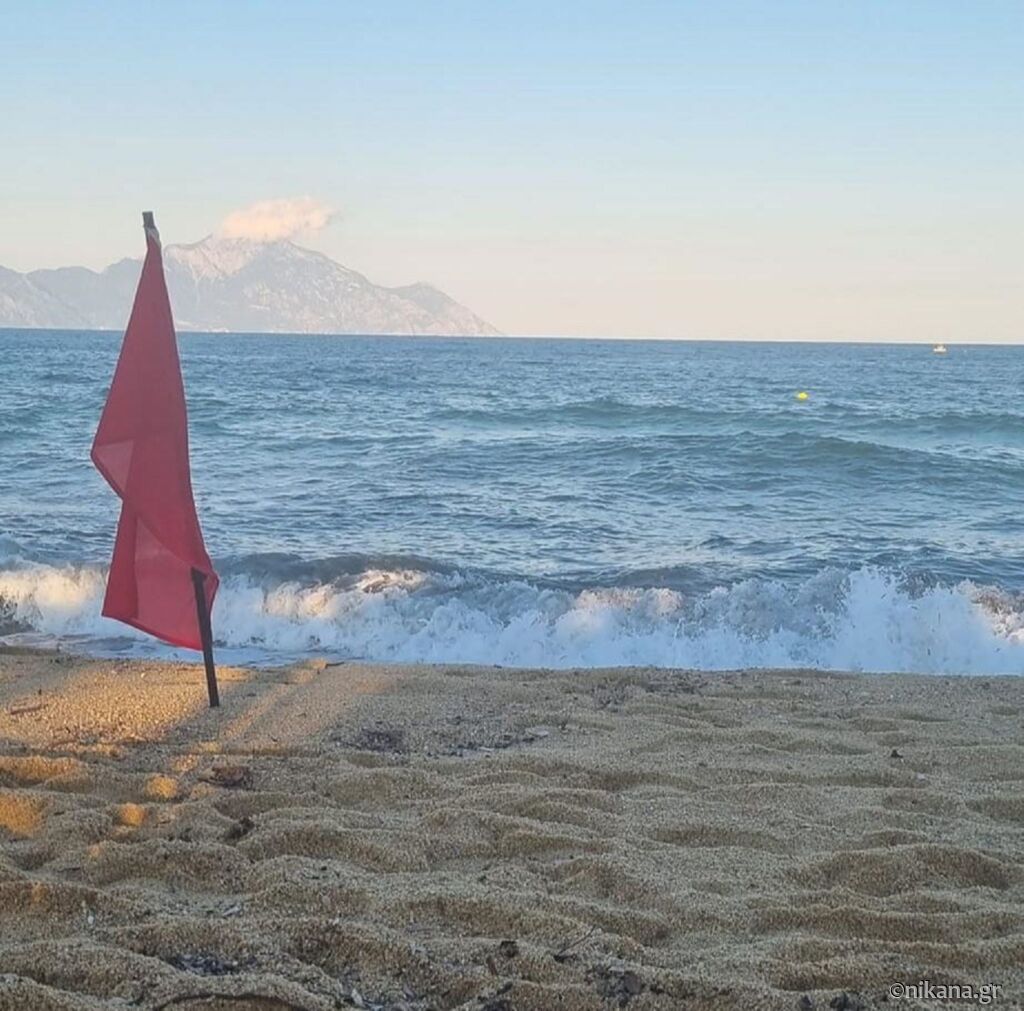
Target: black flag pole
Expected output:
[206,633]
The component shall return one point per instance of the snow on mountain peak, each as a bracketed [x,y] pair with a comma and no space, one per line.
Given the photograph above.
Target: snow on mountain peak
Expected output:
[215,257]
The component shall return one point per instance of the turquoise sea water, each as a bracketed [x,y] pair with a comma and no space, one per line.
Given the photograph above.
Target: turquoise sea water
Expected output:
[550,502]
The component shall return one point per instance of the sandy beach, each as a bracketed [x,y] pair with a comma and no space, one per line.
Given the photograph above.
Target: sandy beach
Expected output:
[348,835]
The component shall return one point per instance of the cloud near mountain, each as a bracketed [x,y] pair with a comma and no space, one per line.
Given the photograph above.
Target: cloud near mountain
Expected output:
[272,220]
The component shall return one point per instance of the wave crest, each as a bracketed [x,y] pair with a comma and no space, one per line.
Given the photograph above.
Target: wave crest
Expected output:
[277,607]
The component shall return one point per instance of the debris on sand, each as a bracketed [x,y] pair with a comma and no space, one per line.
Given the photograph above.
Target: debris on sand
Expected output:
[230,776]
[205,964]
[380,739]
[616,983]
[848,1002]
[239,829]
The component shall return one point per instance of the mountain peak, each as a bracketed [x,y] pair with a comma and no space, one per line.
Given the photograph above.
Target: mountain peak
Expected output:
[214,256]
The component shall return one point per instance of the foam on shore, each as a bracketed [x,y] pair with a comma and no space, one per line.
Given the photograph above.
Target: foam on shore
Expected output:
[867,620]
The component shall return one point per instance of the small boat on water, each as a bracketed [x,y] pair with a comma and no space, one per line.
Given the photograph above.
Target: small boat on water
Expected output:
[939,349]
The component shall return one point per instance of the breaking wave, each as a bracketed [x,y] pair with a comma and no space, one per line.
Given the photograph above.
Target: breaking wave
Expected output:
[279,608]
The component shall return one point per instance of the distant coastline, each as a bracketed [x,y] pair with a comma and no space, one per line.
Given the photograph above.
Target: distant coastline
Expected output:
[237,286]
[953,345]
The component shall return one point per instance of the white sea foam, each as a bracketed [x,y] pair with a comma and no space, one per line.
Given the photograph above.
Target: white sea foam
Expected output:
[865,620]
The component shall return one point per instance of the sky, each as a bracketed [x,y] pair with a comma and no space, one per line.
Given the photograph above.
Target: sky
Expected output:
[726,170]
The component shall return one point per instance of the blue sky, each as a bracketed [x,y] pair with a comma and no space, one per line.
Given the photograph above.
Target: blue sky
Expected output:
[728,169]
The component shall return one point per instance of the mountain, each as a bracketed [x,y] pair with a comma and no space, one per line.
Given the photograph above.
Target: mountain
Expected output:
[240,285]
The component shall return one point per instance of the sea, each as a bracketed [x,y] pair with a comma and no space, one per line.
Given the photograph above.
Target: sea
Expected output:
[548,503]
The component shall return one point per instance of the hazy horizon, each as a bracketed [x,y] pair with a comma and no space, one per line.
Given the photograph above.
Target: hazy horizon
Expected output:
[639,338]
[738,171]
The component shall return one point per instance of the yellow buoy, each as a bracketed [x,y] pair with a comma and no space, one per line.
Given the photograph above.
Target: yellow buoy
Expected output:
[803,395]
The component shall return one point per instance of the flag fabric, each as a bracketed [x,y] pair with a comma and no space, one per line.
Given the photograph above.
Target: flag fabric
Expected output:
[141,448]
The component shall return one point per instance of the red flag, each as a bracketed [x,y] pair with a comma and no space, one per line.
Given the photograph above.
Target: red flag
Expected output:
[141,448]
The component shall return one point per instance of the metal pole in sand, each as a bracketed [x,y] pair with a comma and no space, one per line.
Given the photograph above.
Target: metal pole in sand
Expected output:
[206,633]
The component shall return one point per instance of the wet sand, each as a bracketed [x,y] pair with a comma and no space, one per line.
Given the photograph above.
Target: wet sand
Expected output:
[504,840]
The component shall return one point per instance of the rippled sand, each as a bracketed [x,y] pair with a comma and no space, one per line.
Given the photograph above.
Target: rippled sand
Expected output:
[503,840]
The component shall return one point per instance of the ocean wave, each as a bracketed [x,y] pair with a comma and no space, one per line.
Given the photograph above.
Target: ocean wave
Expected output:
[404,609]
